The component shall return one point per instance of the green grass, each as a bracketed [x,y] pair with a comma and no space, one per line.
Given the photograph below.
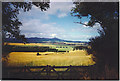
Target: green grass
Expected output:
[62,47]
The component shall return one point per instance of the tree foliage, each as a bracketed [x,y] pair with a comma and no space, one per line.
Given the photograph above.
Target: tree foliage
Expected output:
[105,46]
[10,21]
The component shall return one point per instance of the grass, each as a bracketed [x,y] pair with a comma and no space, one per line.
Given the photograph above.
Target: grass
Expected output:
[75,58]
[63,47]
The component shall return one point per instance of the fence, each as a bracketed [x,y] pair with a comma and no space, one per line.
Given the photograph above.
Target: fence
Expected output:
[47,72]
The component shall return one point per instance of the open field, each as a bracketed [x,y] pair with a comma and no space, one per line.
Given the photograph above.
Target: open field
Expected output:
[29,58]
[75,58]
[58,46]
[28,44]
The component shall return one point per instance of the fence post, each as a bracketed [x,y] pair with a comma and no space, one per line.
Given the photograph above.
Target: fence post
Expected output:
[70,67]
[48,69]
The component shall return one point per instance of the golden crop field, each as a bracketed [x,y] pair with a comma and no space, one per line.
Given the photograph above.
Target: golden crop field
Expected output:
[28,44]
[75,58]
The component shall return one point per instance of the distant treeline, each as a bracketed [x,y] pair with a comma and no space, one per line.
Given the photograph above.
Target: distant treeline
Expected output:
[80,48]
[12,48]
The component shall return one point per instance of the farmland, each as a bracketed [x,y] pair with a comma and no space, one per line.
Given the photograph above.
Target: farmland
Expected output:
[59,58]
[75,58]
[57,46]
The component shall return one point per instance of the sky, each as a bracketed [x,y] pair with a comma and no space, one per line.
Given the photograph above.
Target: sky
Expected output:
[56,22]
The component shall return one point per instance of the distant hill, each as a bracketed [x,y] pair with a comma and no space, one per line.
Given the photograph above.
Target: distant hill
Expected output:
[40,40]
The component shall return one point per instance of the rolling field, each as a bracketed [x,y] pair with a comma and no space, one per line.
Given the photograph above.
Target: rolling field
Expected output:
[70,57]
[75,58]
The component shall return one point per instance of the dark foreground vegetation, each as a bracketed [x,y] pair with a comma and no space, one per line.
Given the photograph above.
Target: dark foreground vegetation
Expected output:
[48,72]
[103,47]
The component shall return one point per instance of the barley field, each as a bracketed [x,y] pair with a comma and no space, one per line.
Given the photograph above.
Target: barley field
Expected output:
[75,58]
[29,44]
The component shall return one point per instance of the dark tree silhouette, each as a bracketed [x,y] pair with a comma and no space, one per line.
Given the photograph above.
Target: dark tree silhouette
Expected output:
[10,21]
[105,46]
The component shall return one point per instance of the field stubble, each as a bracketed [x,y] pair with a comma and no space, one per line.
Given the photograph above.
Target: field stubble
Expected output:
[74,58]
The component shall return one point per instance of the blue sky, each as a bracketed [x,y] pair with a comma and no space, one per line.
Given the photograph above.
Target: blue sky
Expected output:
[56,22]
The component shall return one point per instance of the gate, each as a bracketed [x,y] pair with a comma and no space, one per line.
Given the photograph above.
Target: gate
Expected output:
[47,72]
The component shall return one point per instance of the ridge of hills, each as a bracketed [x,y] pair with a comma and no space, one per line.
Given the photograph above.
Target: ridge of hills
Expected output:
[41,40]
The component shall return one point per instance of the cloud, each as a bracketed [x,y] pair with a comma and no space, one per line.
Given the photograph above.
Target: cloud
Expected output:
[45,24]
[60,9]
[62,15]
[34,21]
[85,23]
[72,37]
[36,28]
[88,30]
[34,13]
[53,35]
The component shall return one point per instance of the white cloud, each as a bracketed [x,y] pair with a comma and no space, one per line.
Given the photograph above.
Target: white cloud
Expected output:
[38,24]
[34,13]
[62,15]
[72,37]
[36,28]
[53,35]
[85,23]
[60,9]
[87,30]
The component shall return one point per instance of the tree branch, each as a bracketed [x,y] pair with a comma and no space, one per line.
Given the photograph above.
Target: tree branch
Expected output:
[82,23]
